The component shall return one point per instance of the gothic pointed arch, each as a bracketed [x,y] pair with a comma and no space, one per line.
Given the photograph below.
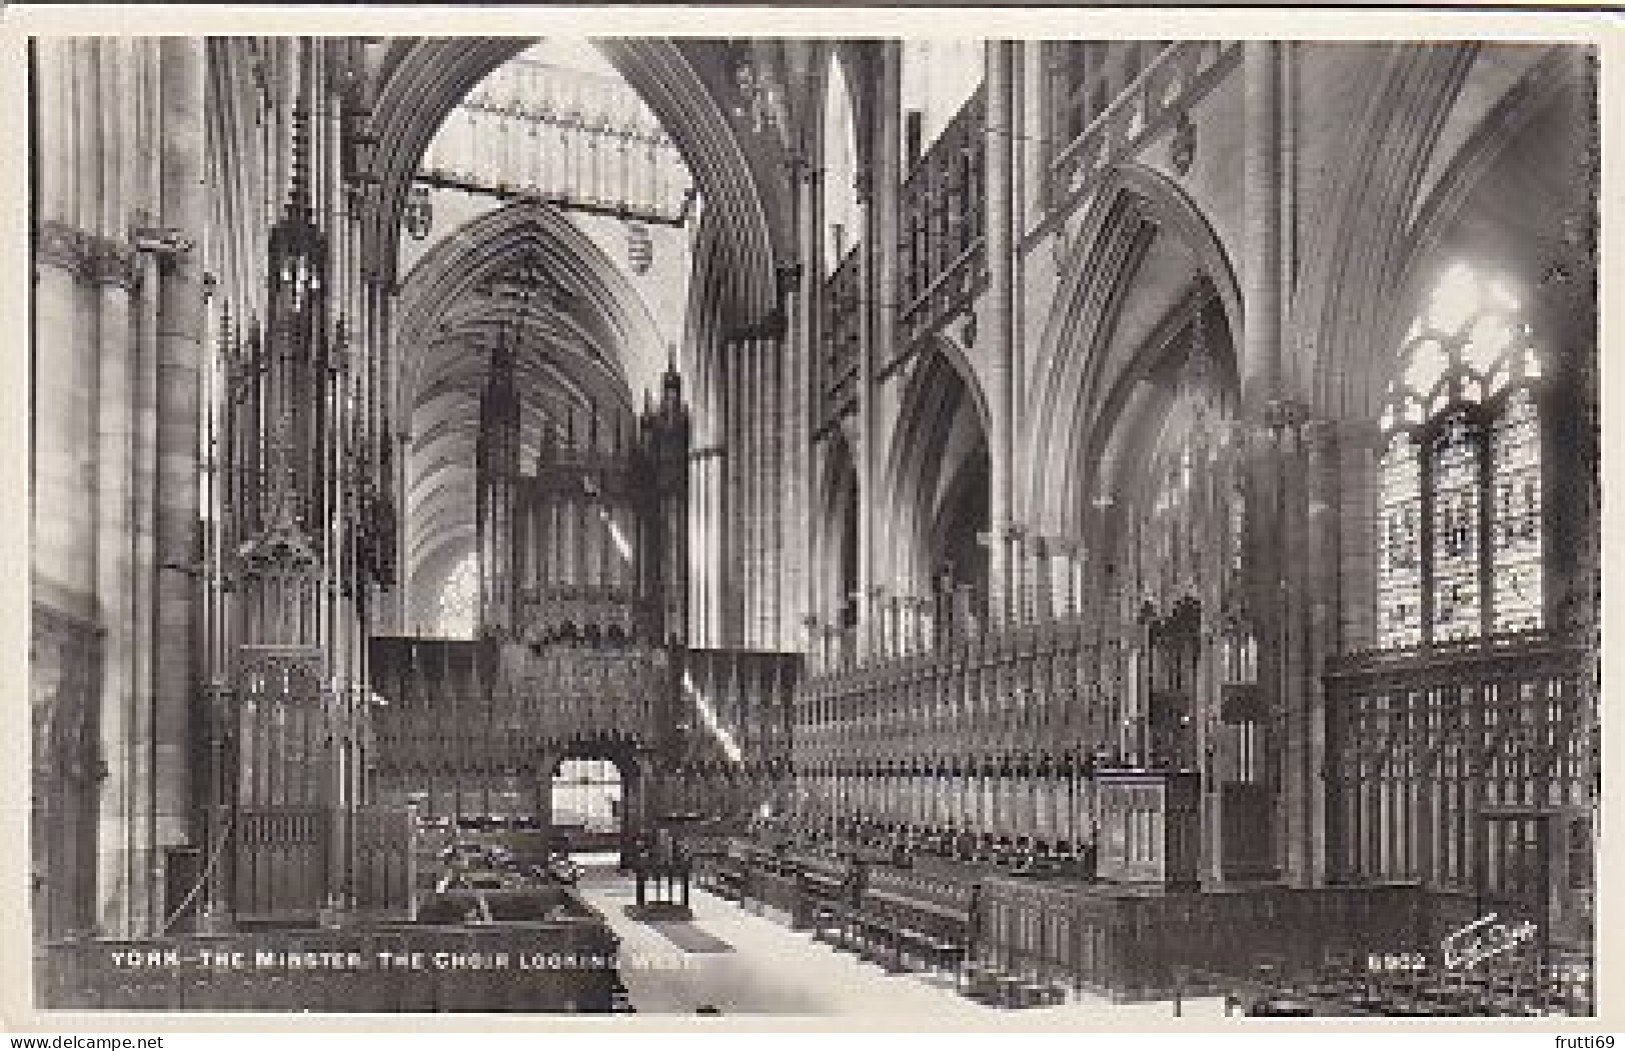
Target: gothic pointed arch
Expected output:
[1162,523]
[835,536]
[935,476]
[1480,378]
[424,78]
[1139,223]
[585,349]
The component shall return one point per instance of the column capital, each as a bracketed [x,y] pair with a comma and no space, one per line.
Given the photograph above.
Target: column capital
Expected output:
[1065,545]
[1285,414]
[1320,433]
[863,182]
[102,260]
[62,245]
[108,262]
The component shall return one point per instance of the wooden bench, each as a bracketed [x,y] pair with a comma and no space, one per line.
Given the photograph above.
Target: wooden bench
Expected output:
[926,920]
[820,884]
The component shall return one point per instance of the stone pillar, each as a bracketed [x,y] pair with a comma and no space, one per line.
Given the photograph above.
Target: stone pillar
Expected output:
[802,401]
[1265,405]
[1261,236]
[142,891]
[1306,786]
[999,143]
[402,605]
[700,570]
[774,492]
[746,358]
[1043,579]
[114,274]
[180,319]
[65,570]
[877,193]
[759,400]
[732,483]
[755,416]
[717,502]
[64,386]
[886,179]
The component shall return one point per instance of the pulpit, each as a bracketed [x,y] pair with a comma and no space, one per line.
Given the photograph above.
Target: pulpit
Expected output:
[1149,827]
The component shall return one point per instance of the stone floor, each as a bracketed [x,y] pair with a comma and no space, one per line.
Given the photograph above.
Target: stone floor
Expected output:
[766,968]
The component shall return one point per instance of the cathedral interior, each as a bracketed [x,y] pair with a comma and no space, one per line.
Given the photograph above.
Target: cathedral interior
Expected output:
[1056,524]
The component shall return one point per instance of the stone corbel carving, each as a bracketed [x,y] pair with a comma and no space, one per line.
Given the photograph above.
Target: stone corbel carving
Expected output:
[1182,147]
[58,244]
[863,182]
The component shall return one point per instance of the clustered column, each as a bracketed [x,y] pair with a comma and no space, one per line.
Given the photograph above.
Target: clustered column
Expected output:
[1003,389]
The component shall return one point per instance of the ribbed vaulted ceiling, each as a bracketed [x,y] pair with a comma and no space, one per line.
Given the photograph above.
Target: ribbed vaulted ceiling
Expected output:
[583,342]
[590,341]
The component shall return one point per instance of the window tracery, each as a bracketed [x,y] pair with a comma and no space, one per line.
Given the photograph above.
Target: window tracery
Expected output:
[1460,529]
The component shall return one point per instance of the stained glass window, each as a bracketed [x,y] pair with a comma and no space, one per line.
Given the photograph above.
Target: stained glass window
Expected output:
[1456,606]
[1461,469]
[459,597]
[1400,557]
[1515,543]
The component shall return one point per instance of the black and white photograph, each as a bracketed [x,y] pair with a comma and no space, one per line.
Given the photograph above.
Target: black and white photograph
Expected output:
[862,525]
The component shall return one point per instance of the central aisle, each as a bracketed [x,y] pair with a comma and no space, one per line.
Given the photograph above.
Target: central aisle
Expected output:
[742,963]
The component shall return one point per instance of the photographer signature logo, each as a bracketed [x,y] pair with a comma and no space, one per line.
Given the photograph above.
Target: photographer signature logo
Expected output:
[1484,939]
